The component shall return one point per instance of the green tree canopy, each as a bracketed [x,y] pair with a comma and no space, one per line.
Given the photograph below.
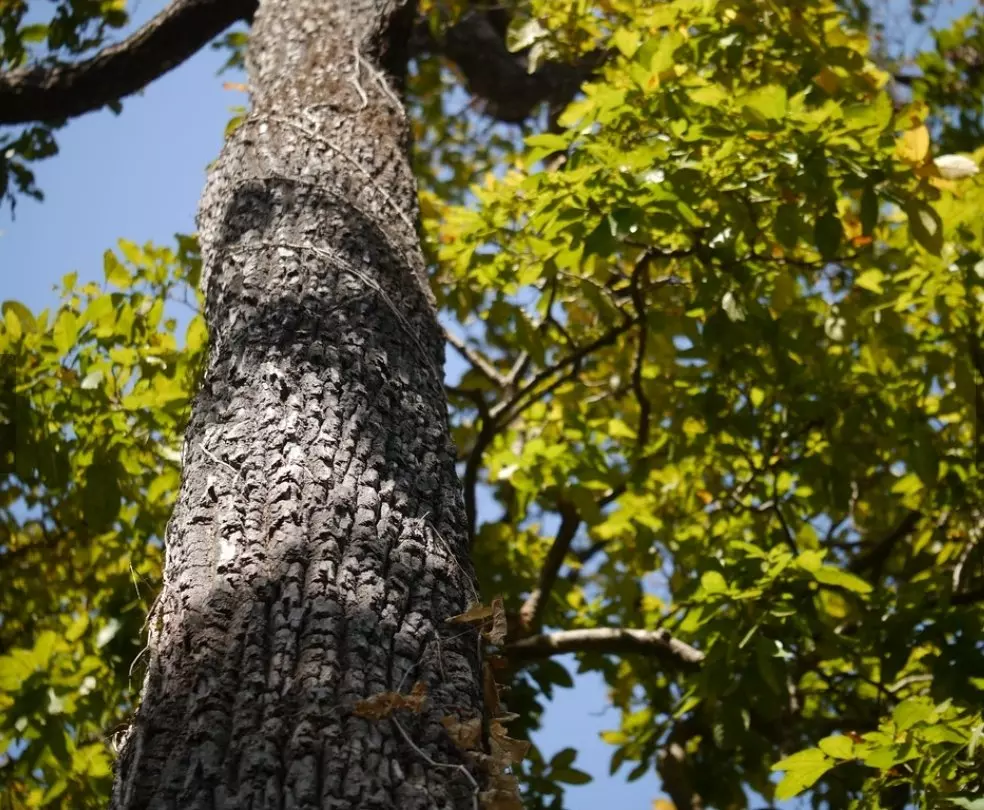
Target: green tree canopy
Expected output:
[720,315]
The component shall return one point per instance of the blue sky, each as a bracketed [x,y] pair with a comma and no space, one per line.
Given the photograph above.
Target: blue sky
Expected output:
[138,176]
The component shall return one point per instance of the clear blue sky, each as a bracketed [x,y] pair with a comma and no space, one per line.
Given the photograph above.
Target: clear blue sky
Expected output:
[138,176]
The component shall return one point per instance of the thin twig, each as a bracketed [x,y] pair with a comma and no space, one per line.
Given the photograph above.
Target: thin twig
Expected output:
[218,460]
[477,360]
[433,764]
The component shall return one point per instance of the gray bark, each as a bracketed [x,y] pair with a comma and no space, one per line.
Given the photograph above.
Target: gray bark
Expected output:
[318,543]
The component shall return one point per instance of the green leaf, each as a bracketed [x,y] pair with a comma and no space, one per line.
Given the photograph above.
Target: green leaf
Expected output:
[911,711]
[827,235]
[656,53]
[713,582]
[34,34]
[829,575]
[767,102]
[65,331]
[787,226]
[116,274]
[925,226]
[967,804]
[802,770]
[563,758]
[732,308]
[626,41]
[570,776]
[91,380]
[837,746]
[871,280]
[24,316]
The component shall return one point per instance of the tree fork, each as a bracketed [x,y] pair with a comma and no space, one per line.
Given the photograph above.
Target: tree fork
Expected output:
[319,539]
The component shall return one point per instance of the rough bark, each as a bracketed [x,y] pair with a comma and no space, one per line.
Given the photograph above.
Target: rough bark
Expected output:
[318,543]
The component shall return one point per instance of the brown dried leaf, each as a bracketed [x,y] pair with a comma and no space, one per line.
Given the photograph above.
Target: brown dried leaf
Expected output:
[476,614]
[465,734]
[504,747]
[384,704]
[497,635]
[503,793]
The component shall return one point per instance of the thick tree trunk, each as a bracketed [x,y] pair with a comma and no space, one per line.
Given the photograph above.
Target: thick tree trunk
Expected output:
[318,543]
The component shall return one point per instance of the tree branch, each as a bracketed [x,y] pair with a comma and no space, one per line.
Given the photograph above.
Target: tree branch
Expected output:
[573,359]
[58,92]
[875,557]
[478,362]
[657,643]
[476,45]
[531,613]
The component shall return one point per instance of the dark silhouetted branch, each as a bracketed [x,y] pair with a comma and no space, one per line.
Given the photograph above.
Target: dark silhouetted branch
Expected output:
[59,92]
[531,613]
[502,79]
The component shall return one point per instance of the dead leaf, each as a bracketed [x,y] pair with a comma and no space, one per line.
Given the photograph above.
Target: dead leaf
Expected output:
[476,614]
[497,635]
[465,734]
[504,747]
[502,794]
[663,804]
[242,88]
[378,707]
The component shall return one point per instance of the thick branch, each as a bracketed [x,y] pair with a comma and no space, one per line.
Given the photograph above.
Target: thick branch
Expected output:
[531,613]
[875,557]
[501,78]
[657,643]
[51,93]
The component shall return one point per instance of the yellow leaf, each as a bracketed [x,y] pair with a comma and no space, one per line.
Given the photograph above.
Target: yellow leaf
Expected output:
[913,146]
[871,280]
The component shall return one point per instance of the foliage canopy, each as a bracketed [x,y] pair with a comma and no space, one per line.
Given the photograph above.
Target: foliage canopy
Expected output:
[720,318]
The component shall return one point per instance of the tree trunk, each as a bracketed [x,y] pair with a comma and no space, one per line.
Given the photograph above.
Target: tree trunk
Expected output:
[318,543]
